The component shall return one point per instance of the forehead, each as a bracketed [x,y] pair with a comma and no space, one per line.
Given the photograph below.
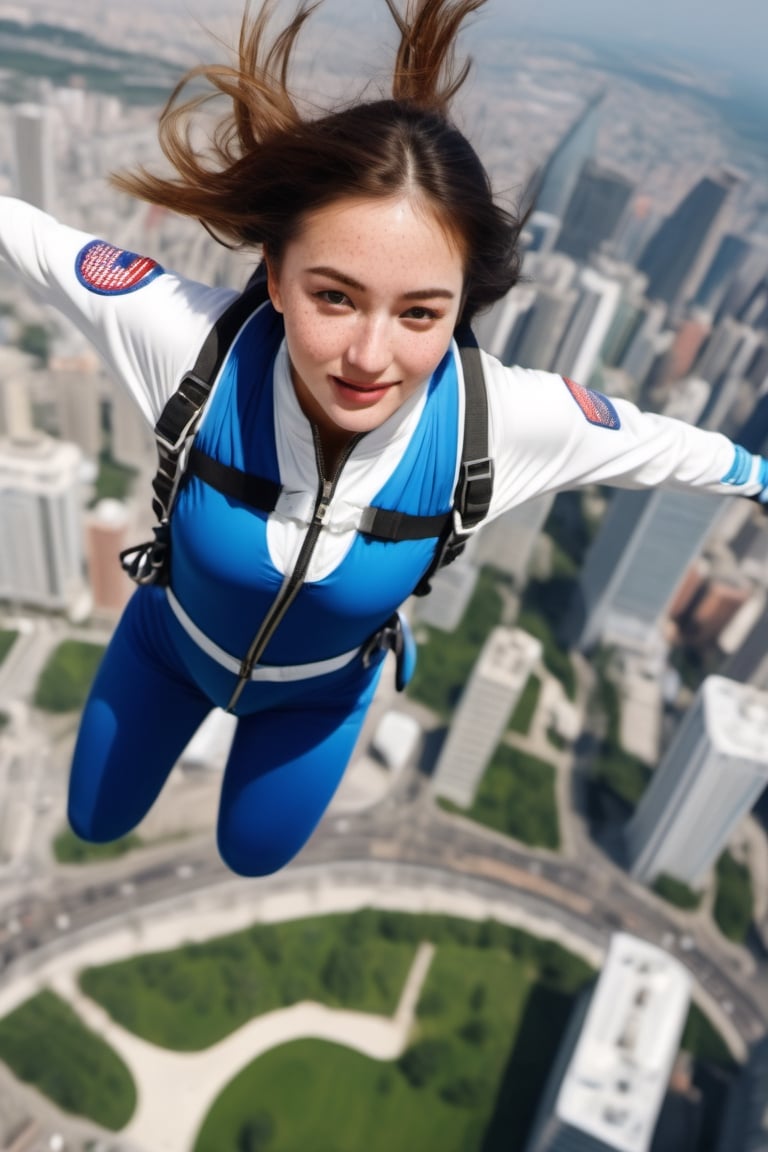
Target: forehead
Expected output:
[398,232]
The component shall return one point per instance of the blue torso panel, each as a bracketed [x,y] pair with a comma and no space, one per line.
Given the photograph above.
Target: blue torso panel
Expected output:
[222,572]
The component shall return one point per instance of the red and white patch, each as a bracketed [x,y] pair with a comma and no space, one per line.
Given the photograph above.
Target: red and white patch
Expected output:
[110,271]
[596,407]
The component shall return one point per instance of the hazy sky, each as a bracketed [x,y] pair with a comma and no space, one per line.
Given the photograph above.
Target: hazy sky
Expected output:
[732,34]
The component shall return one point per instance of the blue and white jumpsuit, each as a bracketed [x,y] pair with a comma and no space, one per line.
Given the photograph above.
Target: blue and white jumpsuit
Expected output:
[326,588]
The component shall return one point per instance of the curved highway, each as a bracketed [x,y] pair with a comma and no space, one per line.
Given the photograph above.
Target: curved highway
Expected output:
[588,901]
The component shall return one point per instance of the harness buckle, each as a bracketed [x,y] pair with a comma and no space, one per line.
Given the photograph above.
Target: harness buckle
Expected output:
[181,413]
[394,636]
[474,490]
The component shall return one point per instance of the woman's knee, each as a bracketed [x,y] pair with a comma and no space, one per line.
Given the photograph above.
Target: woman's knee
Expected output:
[253,857]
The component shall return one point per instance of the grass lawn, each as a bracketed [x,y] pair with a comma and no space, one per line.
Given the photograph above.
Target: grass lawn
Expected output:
[675,892]
[65,680]
[114,481]
[490,1020]
[526,706]
[734,898]
[445,661]
[193,997]
[517,797]
[45,1044]
[7,640]
[486,1038]
[70,849]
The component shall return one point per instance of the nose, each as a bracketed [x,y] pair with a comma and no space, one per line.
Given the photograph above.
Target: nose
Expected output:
[369,350]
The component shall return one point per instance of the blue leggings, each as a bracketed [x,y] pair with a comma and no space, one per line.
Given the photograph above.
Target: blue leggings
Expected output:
[153,690]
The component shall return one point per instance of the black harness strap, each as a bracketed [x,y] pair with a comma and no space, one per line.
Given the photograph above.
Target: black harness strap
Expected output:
[473,489]
[182,412]
[474,486]
[256,491]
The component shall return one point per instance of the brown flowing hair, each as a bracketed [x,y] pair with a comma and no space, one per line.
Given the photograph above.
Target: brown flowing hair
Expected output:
[266,166]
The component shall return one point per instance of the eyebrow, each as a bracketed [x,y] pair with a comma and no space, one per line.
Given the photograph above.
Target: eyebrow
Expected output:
[417,294]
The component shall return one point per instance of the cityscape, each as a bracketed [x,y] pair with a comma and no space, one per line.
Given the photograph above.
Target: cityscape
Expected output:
[535,917]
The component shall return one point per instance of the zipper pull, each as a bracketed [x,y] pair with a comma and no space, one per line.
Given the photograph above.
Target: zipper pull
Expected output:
[323,502]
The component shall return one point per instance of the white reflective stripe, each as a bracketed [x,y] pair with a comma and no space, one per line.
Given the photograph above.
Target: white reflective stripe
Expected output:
[282,673]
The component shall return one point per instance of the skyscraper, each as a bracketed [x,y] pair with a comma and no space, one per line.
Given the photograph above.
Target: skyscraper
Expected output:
[728,259]
[709,779]
[644,547]
[679,244]
[594,210]
[452,589]
[106,530]
[749,662]
[745,1128]
[535,339]
[77,386]
[579,350]
[560,173]
[610,1077]
[35,169]
[40,512]
[507,543]
[501,672]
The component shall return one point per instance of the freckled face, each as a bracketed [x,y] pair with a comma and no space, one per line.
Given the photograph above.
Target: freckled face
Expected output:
[370,292]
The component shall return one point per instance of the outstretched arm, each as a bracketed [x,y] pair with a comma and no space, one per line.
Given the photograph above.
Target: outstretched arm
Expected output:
[147,324]
[549,434]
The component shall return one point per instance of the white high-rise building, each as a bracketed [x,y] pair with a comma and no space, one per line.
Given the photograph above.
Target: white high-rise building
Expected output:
[498,678]
[77,388]
[41,561]
[710,777]
[610,1077]
[35,165]
[452,588]
[579,351]
[507,543]
[645,546]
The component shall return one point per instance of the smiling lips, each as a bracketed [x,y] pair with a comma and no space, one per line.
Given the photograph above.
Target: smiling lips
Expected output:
[367,392]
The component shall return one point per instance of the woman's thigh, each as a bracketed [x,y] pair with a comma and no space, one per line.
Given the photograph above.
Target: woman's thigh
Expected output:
[142,710]
[284,767]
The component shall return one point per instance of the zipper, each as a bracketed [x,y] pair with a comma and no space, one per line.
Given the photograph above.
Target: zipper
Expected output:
[291,586]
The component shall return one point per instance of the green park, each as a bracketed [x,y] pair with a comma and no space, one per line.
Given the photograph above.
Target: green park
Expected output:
[490,1018]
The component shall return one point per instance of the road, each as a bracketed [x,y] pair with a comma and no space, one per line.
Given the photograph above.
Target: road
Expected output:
[417,839]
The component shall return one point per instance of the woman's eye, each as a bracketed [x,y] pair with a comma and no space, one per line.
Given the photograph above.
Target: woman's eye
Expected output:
[333,296]
[419,313]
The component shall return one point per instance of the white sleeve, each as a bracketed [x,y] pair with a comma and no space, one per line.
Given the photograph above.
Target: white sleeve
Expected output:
[147,324]
[548,434]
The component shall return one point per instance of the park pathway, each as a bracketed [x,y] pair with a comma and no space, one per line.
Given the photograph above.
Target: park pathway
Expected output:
[175,1090]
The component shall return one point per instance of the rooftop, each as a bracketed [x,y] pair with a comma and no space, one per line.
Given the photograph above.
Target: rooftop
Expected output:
[616,1081]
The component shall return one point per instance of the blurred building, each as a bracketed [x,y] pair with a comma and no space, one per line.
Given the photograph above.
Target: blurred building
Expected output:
[107,529]
[561,172]
[680,244]
[686,346]
[133,440]
[598,301]
[35,171]
[645,545]
[492,691]
[40,514]
[452,588]
[728,259]
[507,543]
[748,659]
[745,1128]
[709,779]
[611,1074]
[599,200]
[77,386]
